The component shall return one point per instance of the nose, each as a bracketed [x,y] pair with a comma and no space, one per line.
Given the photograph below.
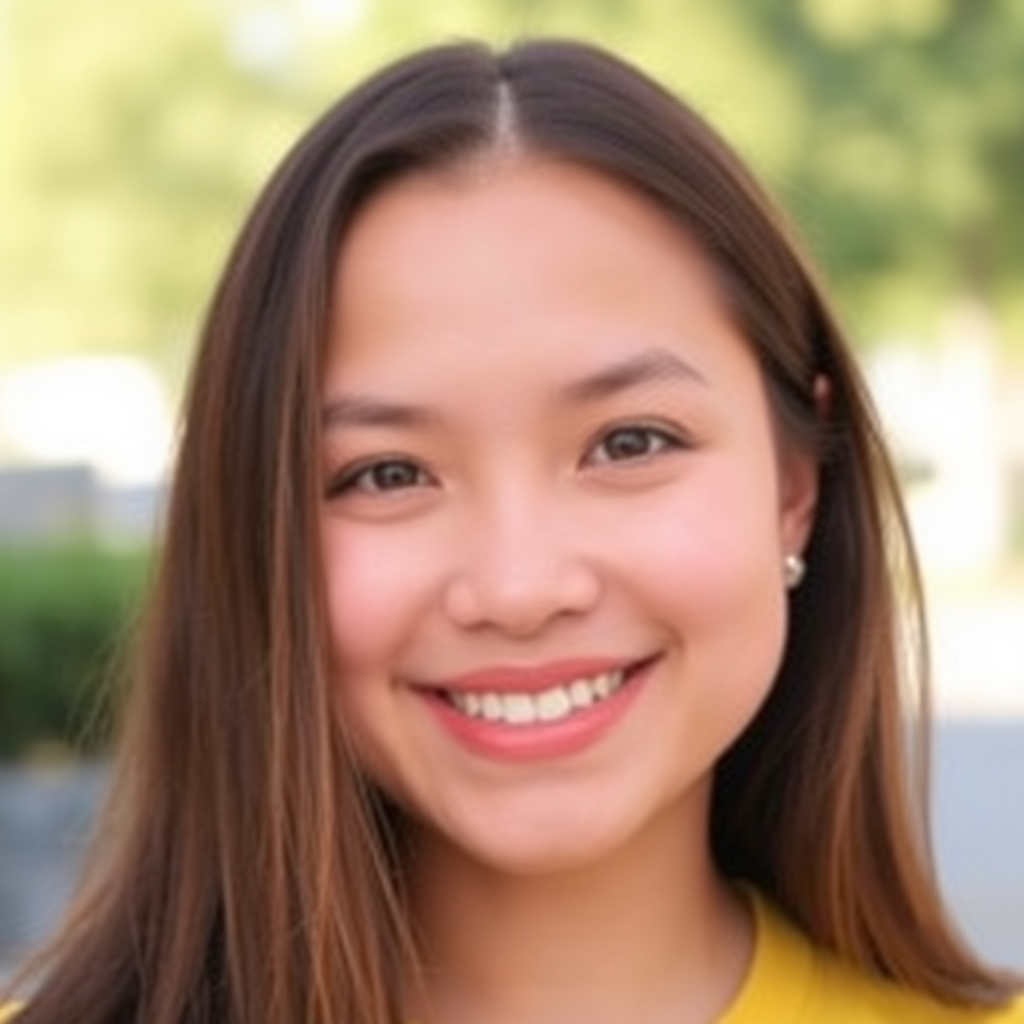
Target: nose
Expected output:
[523,565]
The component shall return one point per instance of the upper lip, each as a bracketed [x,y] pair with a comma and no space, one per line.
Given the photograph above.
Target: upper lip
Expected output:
[533,678]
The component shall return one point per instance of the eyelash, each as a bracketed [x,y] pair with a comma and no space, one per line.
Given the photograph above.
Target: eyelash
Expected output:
[356,478]
[663,441]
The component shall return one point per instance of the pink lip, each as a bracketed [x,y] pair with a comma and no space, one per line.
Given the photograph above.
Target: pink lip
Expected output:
[531,679]
[539,740]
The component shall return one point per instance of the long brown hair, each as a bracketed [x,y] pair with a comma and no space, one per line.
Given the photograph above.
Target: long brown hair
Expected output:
[244,873]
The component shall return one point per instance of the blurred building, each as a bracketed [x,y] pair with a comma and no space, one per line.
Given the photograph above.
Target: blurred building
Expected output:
[84,449]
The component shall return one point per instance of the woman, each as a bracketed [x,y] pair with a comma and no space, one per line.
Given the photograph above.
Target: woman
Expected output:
[481,679]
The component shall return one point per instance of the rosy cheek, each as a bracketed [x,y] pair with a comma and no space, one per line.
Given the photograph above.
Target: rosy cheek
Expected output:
[713,546]
[373,587]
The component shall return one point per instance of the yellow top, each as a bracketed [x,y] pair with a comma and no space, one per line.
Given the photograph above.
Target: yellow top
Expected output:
[791,981]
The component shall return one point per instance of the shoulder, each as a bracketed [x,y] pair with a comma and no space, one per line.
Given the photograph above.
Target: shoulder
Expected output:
[846,996]
[792,982]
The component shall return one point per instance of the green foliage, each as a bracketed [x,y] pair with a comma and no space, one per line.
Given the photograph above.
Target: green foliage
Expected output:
[134,138]
[63,613]
[913,144]
[136,134]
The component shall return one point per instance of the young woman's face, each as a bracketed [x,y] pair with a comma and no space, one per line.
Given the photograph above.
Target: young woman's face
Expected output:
[555,512]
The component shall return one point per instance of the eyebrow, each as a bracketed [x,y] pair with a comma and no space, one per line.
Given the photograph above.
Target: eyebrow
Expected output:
[651,366]
[369,411]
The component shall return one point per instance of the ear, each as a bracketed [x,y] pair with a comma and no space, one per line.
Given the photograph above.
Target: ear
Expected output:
[799,475]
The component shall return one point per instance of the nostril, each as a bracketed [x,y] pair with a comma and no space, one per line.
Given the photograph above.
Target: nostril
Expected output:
[521,600]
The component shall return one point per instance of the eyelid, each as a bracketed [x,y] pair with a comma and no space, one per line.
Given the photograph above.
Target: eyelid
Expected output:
[344,481]
[673,437]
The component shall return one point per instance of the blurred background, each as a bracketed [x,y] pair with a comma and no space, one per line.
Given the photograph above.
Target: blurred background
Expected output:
[133,137]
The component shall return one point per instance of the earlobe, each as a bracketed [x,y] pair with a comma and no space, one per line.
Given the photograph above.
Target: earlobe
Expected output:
[799,499]
[800,469]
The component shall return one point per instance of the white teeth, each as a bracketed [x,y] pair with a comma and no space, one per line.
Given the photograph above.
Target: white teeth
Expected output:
[518,708]
[552,705]
[581,694]
[491,705]
[547,706]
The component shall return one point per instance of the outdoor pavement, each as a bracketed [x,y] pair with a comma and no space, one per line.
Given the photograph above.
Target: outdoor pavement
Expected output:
[978,768]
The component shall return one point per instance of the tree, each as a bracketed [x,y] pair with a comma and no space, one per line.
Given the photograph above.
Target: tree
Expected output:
[137,134]
[135,137]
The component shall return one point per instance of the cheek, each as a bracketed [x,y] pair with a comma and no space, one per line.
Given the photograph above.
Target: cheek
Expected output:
[375,589]
[714,582]
[710,559]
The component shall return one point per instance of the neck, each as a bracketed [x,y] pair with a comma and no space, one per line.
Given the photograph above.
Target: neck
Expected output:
[649,933]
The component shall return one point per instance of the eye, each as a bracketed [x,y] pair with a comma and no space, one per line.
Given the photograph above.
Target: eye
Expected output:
[381,477]
[633,443]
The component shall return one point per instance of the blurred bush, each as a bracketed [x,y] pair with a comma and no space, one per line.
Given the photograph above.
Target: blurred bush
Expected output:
[64,614]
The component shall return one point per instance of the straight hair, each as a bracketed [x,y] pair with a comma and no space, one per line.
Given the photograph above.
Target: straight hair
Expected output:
[245,872]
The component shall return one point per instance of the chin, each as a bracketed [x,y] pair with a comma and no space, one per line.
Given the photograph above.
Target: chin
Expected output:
[539,856]
[556,840]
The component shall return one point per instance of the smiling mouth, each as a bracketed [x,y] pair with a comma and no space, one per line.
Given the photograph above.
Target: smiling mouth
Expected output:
[553,704]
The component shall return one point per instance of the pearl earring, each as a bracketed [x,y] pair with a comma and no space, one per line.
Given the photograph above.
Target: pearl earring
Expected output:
[793,569]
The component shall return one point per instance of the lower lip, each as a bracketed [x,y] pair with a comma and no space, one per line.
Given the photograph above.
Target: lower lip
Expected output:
[538,740]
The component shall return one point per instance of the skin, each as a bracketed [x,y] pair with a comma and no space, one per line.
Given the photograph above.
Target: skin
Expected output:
[485,508]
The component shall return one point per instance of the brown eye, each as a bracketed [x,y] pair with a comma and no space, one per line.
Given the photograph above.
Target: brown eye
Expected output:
[631,443]
[387,475]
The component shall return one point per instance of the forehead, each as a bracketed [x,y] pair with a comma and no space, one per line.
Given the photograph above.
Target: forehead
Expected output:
[482,302]
[475,234]
[510,193]
[503,282]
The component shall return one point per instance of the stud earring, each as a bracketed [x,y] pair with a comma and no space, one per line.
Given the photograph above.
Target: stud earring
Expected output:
[793,570]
